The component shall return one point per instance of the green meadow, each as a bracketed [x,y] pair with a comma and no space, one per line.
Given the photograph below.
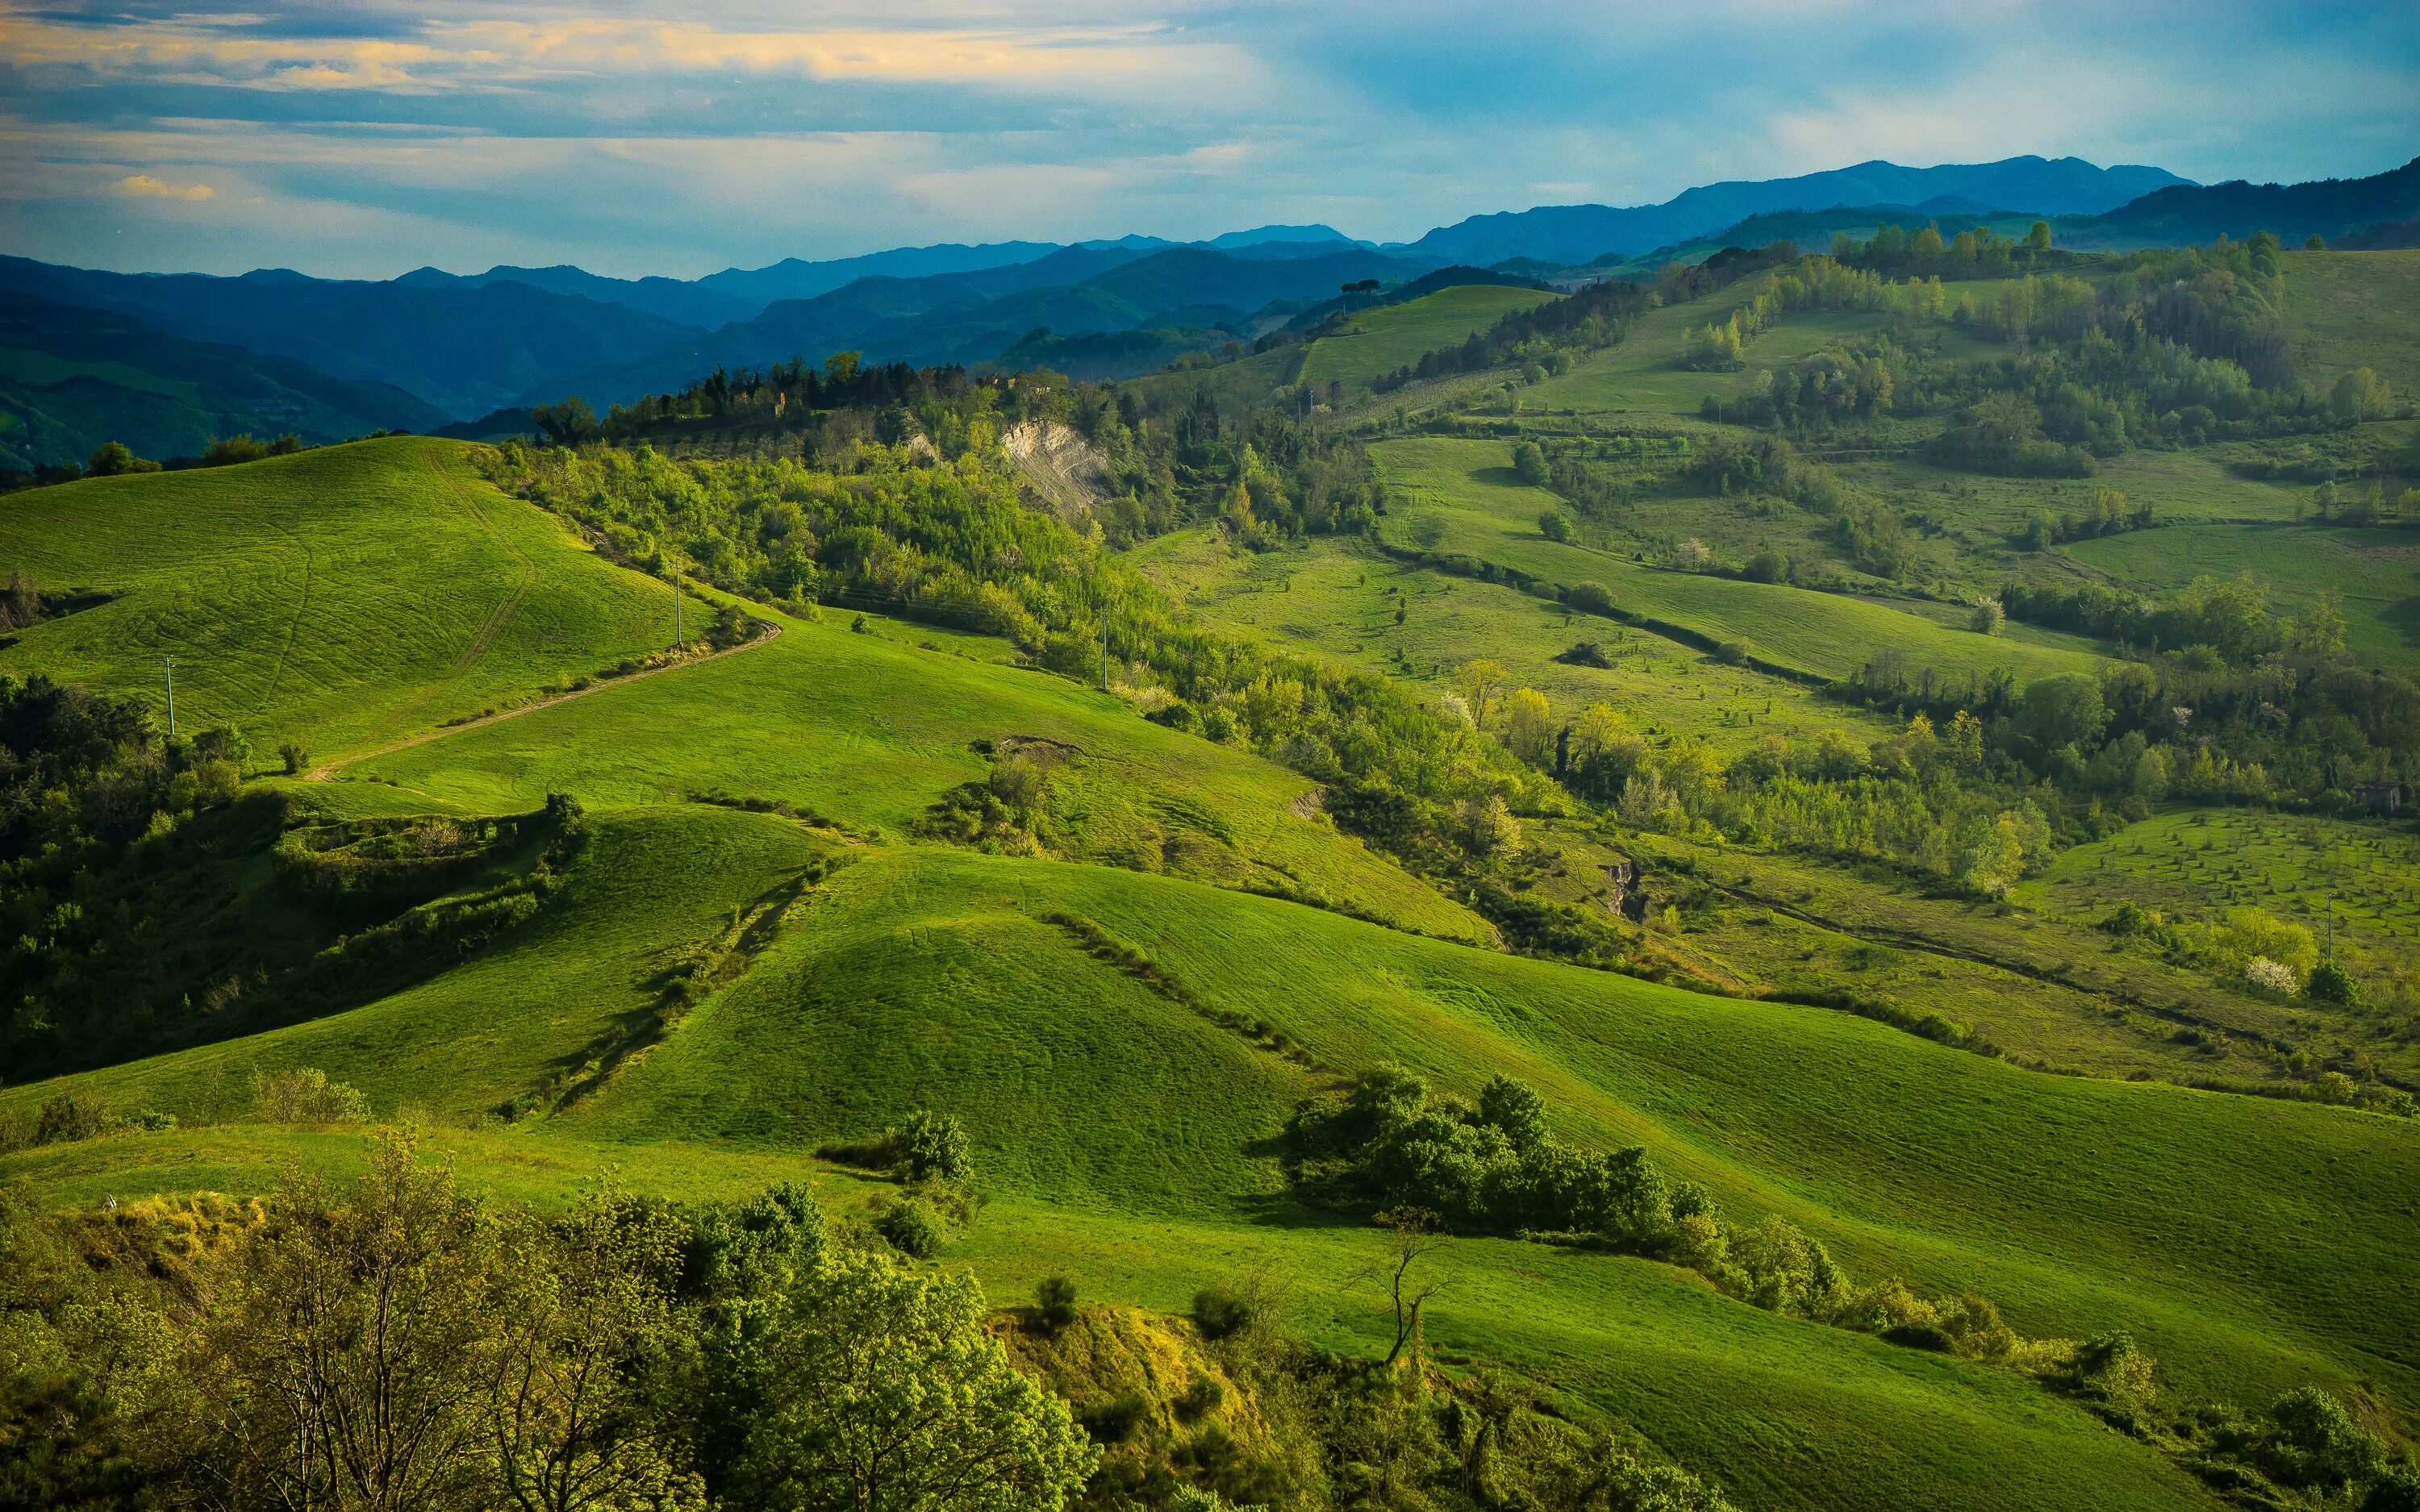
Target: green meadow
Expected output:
[779,929]
[1486,511]
[1377,342]
[345,596]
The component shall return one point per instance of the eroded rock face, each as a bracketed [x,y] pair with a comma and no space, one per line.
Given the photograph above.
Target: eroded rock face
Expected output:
[1058,464]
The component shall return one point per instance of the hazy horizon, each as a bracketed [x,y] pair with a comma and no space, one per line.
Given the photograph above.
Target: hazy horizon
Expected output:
[365,141]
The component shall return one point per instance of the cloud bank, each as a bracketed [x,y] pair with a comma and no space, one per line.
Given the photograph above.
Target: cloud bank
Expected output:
[632,136]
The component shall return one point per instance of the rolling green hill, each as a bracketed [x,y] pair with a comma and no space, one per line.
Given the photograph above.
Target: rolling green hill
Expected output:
[1137,922]
[1487,513]
[2356,309]
[345,596]
[1379,341]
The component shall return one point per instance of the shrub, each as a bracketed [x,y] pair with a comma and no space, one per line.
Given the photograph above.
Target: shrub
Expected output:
[1767,566]
[1200,1400]
[1554,525]
[1590,597]
[934,1145]
[2271,975]
[1733,653]
[1054,1302]
[913,1229]
[2332,983]
[70,1116]
[1989,618]
[295,757]
[1222,1312]
[1529,462]
[304,1095]
[1114,1421]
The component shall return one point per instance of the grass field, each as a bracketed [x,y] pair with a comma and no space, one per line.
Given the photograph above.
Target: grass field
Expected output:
[1382,340]
[2356,309]
[2301,867]
[2375,571]
[927,978]
[1486,512]
[343,597]
[1338,600]
[1124,1131]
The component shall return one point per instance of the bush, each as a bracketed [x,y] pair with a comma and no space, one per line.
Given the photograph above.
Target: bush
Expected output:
[2332,983]
[1222,1312]
[1531,463]
[913,1229]
[304,1095]
[1733,653]
[1989,618]
[1054,1302]
[1767,566]
[1554,525]
[1590,597]
[1114,1421]
[70,1116]
[934,1145]
[295,757]
[1198,1401]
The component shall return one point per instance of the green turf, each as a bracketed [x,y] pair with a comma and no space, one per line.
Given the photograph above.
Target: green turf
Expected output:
[1126,1133]
[1488,513]
[2356,309]
[343,597]
[2377,573]
[928,978]
[2302,868]
[1339,599]
[1377,342]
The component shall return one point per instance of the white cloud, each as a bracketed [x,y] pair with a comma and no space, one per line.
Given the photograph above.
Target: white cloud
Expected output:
[142,185]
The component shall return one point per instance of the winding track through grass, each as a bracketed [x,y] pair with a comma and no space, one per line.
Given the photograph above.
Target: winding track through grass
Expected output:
[327,771]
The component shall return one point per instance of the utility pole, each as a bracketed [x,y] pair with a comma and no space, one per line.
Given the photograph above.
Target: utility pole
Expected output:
[170,664]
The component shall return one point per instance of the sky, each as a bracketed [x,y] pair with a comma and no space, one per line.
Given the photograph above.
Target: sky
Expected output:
[364,139]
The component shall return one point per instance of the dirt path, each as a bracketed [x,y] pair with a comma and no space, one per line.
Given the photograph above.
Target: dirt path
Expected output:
[327,771]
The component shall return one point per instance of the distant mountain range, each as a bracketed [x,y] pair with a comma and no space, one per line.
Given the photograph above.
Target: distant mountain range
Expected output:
[430,345]
[2330,208]
[72,378]
[1575,234]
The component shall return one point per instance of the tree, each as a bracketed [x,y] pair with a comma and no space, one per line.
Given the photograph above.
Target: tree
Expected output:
[342,1364]
[2360,394]
[589,1313]
[1554,525]
[1989,617]
[1529,723]
[884,1394]
[113,460]
[1413,1234]
[1529,462]
[1483,680]
[2321,633]
[566,422]
[2038,236]
[2066,710]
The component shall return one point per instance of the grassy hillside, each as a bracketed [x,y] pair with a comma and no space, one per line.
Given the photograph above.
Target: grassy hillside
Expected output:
[345,596]
[1379,341]
[2377,573]
[1341,600]
[2356,309]
[1486,512]
[1122,1134]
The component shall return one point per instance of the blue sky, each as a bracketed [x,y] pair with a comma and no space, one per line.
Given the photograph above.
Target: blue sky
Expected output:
[363,139]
